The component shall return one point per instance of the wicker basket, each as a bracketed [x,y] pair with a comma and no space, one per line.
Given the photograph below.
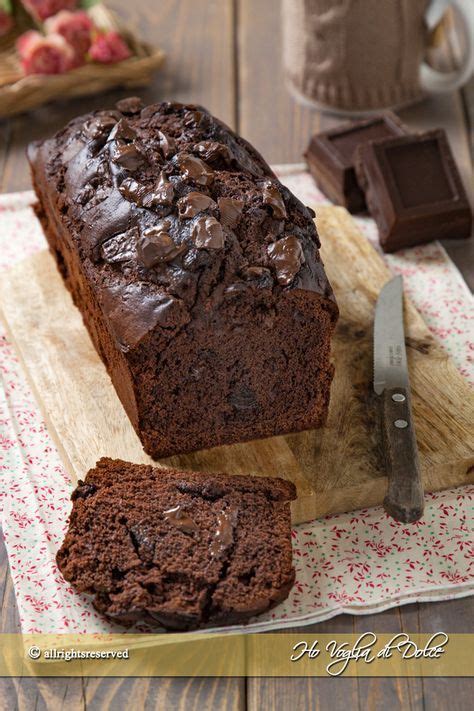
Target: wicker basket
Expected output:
[20,93]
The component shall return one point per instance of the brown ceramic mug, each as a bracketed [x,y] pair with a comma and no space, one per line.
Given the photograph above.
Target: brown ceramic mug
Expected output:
[363,55]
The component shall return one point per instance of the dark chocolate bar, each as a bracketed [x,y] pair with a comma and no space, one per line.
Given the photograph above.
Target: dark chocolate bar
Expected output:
[330,156]
[413,190]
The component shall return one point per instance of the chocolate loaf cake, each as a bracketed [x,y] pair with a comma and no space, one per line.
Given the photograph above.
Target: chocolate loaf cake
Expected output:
[197,274]
[178,549]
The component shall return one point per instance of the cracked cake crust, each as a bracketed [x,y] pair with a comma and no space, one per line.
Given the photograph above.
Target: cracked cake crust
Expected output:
[197,550]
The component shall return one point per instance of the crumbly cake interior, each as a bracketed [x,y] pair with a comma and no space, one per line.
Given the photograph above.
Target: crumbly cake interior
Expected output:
[178,549]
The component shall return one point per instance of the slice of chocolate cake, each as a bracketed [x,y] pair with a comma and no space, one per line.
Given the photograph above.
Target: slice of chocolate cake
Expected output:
[178,549]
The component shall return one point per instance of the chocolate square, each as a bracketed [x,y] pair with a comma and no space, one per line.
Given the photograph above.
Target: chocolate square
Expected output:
[330,157]
[413,190]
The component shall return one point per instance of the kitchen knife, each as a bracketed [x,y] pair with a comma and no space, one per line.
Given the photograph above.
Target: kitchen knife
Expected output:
[404,499]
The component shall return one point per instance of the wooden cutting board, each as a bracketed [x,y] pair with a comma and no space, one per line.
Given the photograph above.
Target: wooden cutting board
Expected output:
[338,468]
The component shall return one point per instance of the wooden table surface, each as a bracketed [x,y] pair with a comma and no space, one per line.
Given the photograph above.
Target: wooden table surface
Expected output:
[226,55]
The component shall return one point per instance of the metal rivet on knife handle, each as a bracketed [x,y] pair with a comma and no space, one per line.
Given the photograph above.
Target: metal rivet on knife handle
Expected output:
[401,424]
[398,397]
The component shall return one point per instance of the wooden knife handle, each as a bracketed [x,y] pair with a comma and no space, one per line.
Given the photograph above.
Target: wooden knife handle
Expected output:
[404,499]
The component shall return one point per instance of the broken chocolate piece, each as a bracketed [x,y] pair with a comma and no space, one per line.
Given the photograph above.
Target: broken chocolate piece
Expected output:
[330,157]
[156,245]
[128,156]
[195,169]
[208,233]
[163,194]
[131,190]
[287,257]
[99,126]
[133,310]
[178,518]
[213,151]
[167,144]
[123,131]
[413,190]
[272,197]
[194,118]
[224,535]
[236,289]
[230,211]
[193,203]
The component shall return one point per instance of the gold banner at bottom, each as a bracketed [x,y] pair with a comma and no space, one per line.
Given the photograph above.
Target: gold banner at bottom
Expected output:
[237,655]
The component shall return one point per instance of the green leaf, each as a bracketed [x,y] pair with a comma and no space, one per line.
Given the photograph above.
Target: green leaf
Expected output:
[86,4]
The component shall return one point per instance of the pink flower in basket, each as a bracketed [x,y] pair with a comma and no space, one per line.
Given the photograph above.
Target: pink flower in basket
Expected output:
[44,55]
[42,9]
[76,28]
[6,20]
[108,47]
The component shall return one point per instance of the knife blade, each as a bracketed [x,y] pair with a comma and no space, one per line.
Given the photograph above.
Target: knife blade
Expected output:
[404,498]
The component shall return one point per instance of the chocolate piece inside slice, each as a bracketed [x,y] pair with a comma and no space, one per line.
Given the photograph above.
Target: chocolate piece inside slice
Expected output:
[330,157]
[413,190]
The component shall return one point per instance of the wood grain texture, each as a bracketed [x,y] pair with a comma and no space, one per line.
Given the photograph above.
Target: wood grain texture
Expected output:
[338,468]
